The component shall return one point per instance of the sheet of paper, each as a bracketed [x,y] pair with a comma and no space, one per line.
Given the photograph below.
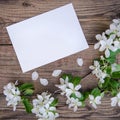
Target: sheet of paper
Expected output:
[47,37]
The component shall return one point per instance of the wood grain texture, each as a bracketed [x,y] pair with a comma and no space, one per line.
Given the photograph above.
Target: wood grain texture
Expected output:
[95,17]
[10,68]
[104,112]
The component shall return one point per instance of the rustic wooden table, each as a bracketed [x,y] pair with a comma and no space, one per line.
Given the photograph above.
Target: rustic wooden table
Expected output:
[95,16]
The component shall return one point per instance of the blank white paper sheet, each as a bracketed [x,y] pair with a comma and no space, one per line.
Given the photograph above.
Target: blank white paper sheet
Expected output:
[47,37]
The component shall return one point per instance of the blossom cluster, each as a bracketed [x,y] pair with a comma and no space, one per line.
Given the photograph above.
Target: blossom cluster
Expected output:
[97,70]
[44,107]
[71,91]
[115,100]
[12,94]
[110,39]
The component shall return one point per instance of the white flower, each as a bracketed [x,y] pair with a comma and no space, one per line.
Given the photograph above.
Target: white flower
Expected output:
[73,89]
[35,75]
[56,73]
[97,71]
[49,112]
[80,61]
[12,94]
[117,44]
[43,81]
[42,107]
[95,67]
[115,26]
[107,45]
[73,103]
[94,101]
[116,21]
[63,85]
[115,100]
[99,38]
[101,75]
[110,39]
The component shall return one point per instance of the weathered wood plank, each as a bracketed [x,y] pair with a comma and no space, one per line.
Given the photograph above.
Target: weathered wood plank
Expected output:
[10,68]
[94,15]
[104,111]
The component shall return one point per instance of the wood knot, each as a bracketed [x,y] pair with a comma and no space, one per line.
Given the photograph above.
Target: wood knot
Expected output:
[26,4]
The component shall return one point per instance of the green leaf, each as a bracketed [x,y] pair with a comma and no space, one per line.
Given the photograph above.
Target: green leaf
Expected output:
[76,80]
[28,92]
[102,94]
[96,92]
[26,86]
[54,103]
[112,57]
[82,98]
[28,105]
[106,83]
[70,77]
[83,104]
[73,95]
[117,67]
[86,94]
[114,92]
[100,85]
[114,84]
[116,75]
[108,70]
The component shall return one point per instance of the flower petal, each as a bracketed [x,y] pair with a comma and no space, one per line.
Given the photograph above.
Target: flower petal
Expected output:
[40,98]
[77,87]
[118,95]
[112,27]
[68,92]
[116,21]
[97,45]
[43,81]
[98,37]
[113,101]
[107,53]
[78,94]
[80,61]
[91,67]
[108,31]
[118,34]
[98,100]
[75,108]
[103,46]
[119,103]
[113,48]
[94,105]
[91,97]
[96,63]
[35,75]
[71,86]
[56,73]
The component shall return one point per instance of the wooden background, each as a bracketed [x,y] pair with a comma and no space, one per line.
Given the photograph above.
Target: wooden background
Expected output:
[94,16]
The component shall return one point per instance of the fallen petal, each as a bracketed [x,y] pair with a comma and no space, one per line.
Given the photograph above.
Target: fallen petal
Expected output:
[56,73]
[80,61]
[35,75]
[43,81]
